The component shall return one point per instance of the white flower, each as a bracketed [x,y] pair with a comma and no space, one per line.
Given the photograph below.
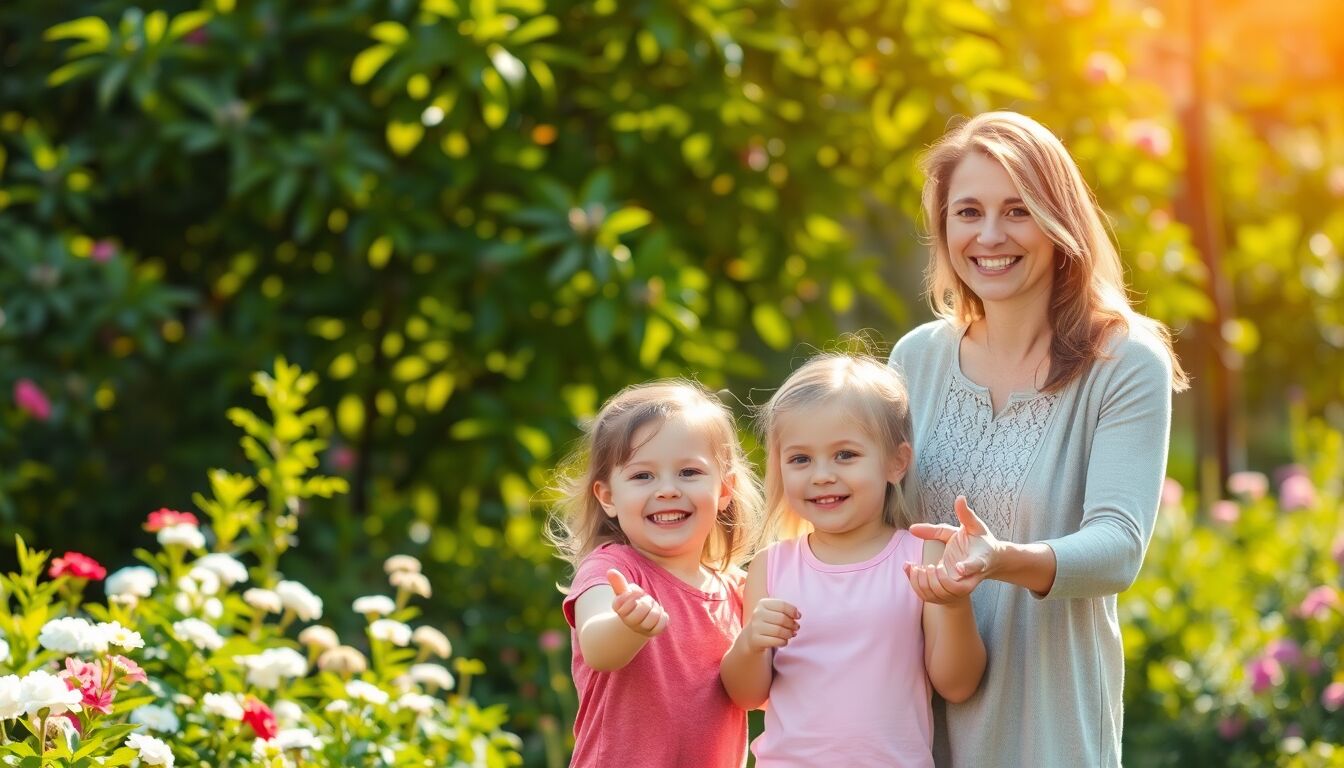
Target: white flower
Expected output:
[297,738]
[374,605]
[213,608]
[367,692]
[338,706]
[225,705]
[300,600]
[418,703]
[184,534]
[266,751]
[115,634]
[4,650]
[132,581]
[71,635]
[432,640]
[434,675]
[286,712]
[320,637]
[155,718]
[225,566]
[152,751]
[263,600]
[198,633]
[415,583]
[41,690]
[392,631]
[199,581]
[401,563]
[271,666]
[11,697]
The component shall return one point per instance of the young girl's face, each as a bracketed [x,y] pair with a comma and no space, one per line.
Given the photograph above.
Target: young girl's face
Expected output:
[668,494]
[834,472]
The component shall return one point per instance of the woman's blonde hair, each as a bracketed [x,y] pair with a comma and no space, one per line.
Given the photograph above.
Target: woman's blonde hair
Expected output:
[579,525]
[876,397]
[1088,299]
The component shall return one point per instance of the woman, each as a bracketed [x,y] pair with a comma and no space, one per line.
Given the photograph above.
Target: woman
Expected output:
[1044,399]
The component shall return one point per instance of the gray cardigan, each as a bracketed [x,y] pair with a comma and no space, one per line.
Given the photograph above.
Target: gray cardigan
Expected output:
[1081,470]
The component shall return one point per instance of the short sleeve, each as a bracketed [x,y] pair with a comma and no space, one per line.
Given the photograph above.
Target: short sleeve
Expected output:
[593,571]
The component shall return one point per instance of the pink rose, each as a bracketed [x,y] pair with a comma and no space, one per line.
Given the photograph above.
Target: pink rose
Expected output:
[1332,698]
[1318,601]
[551,641]
[1264,673]
[31,400]
[1297,492]
[1252,485]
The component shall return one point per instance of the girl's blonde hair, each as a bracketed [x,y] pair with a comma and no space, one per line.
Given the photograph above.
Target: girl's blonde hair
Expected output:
[579,525]
[1088,300]
[874,393]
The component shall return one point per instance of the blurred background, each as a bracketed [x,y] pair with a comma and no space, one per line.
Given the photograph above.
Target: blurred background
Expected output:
[475,219]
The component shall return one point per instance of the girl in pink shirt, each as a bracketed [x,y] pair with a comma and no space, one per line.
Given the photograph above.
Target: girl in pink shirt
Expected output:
[836,640]
[661,509]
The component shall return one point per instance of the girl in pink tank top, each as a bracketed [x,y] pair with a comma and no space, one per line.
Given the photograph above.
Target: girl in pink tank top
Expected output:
[660,509]
[837,646]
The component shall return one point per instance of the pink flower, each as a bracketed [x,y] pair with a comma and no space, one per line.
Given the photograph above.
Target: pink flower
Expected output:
[1152,138]
[1318,601]
[342,458]
[88,680]
[103,251]
[1264,673]
[551,641]
[1252,485]
[76,565]
[1297,492]
[130,671]
[31,400]
[163,518]
[1285,651]
[1231,727]
[1332,698]
[1172,493]
[1103,67]
[1225,512]
[260,718]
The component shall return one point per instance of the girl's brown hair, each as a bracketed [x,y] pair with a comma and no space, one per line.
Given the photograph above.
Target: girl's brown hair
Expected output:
[579,525]
[876,395]
[1088,299]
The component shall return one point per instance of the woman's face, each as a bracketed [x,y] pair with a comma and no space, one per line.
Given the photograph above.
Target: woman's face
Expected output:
[996,247]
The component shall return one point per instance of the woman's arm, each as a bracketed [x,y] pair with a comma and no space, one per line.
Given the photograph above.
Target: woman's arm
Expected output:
[615,622]
[748,666]
[954,654]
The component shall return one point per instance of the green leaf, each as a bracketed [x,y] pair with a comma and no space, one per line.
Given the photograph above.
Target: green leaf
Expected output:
[389,32]
[184,23]
[771,325]
[657,335]
[534,29]
[600,318]
[90,28]
[624,221]
[368,62]
[494,98]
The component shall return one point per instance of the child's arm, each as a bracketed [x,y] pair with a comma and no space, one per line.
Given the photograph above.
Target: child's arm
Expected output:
[747,668]
[954,654]
[615,622]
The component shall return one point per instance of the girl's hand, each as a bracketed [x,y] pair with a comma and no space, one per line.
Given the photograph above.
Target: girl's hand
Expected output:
[773,624]
[935,585]
[636,608]
[972,550]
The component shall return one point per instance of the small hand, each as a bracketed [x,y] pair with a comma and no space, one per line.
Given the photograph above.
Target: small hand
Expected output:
[773,624]
[971,549]
[636,608]
[933,584]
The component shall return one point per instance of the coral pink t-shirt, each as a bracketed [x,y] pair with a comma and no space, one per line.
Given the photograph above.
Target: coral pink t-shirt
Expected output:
[850,689]
[667,707]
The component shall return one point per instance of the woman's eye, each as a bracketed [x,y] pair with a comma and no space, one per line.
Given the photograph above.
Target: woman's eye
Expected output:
[967,213]
[1019,212]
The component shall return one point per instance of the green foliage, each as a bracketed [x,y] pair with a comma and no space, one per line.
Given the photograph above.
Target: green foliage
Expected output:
[1234,628]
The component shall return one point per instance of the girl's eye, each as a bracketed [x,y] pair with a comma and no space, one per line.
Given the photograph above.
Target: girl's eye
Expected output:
[845,455]
[690,472]
[799,459]
[642,476]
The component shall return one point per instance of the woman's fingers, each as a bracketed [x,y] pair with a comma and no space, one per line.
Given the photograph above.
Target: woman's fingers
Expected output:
[932,532]
[968,519]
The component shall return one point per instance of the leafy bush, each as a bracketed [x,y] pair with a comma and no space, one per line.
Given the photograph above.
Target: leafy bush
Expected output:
[221,675]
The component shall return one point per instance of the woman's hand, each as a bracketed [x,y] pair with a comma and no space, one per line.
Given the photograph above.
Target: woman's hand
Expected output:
[969,558]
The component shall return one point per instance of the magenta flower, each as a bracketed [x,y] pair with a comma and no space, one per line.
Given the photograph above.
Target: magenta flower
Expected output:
[163,518]
[1251,485]
[1264,673]
[1225,512]
[78,566]
[1297,492]
[1172,493]
[1231,727]
[1318,601]
[1285,651]
[550,641]
[31,399]
[103,251]
[1332,698]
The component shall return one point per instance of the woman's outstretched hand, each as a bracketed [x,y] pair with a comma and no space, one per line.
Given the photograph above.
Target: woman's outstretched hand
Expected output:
[968,558]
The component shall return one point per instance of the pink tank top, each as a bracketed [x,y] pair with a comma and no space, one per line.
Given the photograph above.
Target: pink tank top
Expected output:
[851,688]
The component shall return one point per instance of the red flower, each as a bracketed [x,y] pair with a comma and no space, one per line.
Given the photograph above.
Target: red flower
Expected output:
[260,717]
[162,518]
[78,566]
[31,399]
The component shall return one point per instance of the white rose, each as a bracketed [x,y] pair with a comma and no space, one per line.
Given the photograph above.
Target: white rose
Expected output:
[152,751]
[132,581]
[394,632]
[225,705]
[182,534]
[41,690]
[71,635]
[299,599]
[362,691]
[198,633]
[226,567]
[374,605]
[155,718]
